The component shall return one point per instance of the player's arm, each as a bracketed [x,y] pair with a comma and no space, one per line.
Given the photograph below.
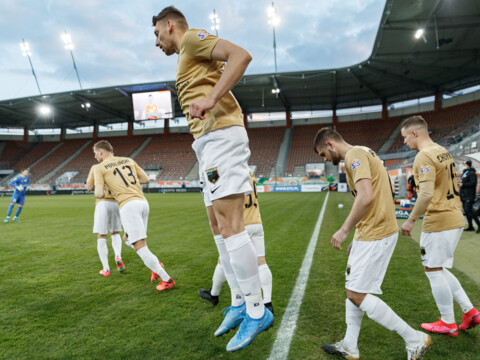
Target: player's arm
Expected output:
[363,200]
[13,183]
[90,183]
[424,197]
[142,175]
[99,183]
[237,59]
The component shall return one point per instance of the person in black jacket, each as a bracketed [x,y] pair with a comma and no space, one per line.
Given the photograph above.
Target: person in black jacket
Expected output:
[468,193]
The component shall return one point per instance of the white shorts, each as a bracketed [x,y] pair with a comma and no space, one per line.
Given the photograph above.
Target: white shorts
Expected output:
[255,231]
[106,218]
[436,248]
[223,162]
[134,216]
[368,263]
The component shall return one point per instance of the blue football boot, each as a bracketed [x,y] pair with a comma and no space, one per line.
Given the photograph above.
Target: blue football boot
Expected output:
[234,315]
[249,329]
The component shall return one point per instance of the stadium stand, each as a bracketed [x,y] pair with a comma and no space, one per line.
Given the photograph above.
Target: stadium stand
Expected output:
[444,122]
[264,146]
[371,133]
[40,149]
[122,146]
[172,154]
[12,152]
[45,166]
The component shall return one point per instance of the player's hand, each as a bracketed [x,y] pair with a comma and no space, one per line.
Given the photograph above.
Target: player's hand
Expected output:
[338,238]
[407,227]
[199,108]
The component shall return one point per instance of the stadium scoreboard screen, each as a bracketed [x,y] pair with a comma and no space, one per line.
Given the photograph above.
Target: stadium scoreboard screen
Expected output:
[152,105]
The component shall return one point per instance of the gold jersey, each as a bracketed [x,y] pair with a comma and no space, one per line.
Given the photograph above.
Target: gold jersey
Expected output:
[380,220]
[251,212]
[122,176]
[197,74]
[434,163]
[91,180]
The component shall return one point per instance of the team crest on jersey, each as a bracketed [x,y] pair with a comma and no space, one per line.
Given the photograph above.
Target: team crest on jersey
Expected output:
[424,169]
[349,267]
[212,175]
[355,164]
[422,251]
[202,34]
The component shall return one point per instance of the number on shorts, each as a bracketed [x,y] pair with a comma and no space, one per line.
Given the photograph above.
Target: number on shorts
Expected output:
[250,203]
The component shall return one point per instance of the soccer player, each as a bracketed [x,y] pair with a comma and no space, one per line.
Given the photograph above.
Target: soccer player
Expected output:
[373,214]
[207,69]
[106,218]
[20,184]
[438,199]
[122,176]
[254,227]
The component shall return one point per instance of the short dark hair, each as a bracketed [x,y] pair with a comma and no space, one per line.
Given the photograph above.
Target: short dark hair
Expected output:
[170,13]
[103,145]
[415,120]
[324,135]
[23,169]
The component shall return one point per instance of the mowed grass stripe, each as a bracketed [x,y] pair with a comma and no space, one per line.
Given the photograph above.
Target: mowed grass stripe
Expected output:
[56,306]
[281,345]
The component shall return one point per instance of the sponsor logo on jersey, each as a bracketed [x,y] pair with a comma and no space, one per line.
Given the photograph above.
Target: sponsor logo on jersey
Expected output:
[424,169]
[212,175]
[202,34]
[355,164]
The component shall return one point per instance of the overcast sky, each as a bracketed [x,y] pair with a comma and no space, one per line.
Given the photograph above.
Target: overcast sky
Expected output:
[114,41]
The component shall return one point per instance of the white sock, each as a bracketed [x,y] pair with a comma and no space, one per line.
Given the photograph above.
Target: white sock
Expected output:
[382,314]
[458,293]
[151,261]
[265,276]
[235,291]
[353,318]
[217,280]
[129,244]
[243,259]
[117,245]
[442,295]
[103,253]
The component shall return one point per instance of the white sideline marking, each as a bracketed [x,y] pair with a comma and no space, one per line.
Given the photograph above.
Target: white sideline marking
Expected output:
[281,346]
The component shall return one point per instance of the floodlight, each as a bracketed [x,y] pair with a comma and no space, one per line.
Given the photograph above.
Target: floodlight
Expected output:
[44,110]
[419,33]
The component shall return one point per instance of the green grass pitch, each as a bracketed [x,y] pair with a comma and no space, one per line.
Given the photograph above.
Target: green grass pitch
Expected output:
[55,305]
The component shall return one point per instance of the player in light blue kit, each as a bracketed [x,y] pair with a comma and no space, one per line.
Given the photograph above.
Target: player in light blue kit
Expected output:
[20,184]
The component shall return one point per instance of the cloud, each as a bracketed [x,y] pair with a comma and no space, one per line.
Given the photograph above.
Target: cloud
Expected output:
[114,42]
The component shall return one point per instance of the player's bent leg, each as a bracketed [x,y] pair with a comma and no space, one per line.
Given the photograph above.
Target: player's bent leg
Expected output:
[444,299]
[17,213]
[151,261]
[471,316]
[243,258]
[381,313]
[9,211]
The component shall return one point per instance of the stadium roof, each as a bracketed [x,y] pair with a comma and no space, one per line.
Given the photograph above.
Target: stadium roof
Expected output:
[444,59]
